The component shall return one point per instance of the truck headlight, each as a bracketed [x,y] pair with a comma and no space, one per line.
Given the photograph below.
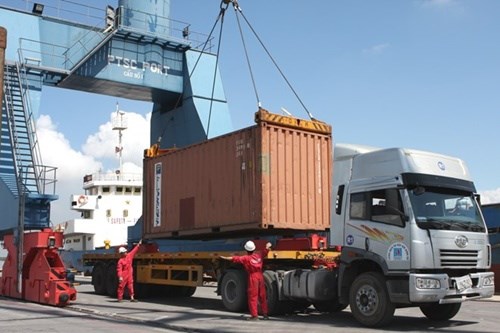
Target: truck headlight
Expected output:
[428,283]
[489,280]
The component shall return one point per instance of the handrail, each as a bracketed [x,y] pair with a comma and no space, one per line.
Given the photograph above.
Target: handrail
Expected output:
[40,171]
[110,176]
[176,30]
[67,10]
[30,124]
[30,53]
[10,124]
[68,54]
[88,54]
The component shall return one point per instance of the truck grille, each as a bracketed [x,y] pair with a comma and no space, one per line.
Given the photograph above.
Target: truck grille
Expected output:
[458,258]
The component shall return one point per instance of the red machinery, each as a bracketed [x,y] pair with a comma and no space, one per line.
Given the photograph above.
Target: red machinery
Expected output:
[43,273]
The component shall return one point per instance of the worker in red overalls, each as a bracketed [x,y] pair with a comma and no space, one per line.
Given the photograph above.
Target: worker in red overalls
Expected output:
[252,262]
[125,272]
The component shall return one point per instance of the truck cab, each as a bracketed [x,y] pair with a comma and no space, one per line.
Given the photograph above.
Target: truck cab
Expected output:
[411,232]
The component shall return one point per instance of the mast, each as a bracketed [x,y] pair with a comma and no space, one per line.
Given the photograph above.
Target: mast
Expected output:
[120,124]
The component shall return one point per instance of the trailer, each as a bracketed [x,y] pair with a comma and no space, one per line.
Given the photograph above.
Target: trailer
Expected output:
[178,274]
[189,225]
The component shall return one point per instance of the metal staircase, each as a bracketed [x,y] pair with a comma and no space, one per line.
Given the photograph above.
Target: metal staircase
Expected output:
[26,181]
[20,162]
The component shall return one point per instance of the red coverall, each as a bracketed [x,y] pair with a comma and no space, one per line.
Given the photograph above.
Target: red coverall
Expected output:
[125,270]
[256,287]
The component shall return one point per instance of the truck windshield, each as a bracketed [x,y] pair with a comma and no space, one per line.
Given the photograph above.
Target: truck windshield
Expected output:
[436,208]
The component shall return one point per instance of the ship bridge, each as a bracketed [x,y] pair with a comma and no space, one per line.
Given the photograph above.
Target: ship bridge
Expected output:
[133,51]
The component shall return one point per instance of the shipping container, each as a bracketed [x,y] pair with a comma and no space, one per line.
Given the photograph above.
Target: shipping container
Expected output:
[264,179]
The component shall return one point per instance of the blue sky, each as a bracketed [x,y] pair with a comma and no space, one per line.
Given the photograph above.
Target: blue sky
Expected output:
[421,74]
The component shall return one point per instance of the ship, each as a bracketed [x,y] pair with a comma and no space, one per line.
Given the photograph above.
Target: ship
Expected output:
[110,203]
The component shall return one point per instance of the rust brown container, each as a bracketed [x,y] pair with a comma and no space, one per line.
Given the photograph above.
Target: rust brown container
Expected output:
[263,179]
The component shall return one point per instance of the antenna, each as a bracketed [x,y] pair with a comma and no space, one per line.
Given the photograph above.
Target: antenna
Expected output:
[119,121]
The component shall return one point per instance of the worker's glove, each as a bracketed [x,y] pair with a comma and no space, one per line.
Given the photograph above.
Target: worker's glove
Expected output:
[120,279]
[268,245]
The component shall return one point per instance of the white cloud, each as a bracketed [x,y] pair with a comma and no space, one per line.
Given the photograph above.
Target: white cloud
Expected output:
[134,140]
[437,3]
[376,49]
[490,196]
[452,7]
[99,148]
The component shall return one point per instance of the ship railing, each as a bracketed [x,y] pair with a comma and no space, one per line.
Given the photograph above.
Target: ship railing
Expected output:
[110,176]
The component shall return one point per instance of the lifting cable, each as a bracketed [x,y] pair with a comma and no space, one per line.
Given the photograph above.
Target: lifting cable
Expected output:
[219,17]
[238,9]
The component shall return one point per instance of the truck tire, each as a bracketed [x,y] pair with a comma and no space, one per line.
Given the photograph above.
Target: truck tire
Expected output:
[275,306]
[331,306]
[180,291]
[99,278]
[440,311]
[142,290]
[234,290]
[188,291]
[111,280]
[369,300]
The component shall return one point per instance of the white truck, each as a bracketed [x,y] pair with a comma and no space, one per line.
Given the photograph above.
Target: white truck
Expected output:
[411,231]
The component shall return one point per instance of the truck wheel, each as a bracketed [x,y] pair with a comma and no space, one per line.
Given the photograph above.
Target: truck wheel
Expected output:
[111,280]
[275,306]
[180,291]
[142,290]
[300,305]
[369,300]
[234,290]
[332,306]
[440,311]
[99,278]
[188,291]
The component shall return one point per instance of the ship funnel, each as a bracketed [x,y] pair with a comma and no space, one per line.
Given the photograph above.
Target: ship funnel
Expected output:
[147,16]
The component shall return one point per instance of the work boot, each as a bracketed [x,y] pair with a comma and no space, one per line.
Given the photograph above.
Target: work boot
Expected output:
[265,317]
[252,318]
[134,300]
[118,300]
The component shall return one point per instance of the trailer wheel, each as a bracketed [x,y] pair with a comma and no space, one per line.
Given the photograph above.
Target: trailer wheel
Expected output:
[331,306]
[188,291]
[275,306]
[111,280]
[234,290]
[142,290]
[179,291]
[99,278]
[440,311]
[369,300]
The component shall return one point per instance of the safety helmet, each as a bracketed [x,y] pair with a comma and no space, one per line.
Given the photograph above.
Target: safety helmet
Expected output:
[122,250]
[250,246]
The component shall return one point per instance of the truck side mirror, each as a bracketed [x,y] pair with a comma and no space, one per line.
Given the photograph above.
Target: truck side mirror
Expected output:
[339,200]
[478,198]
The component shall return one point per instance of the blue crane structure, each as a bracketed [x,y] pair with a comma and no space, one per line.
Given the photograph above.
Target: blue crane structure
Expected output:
[134,51]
